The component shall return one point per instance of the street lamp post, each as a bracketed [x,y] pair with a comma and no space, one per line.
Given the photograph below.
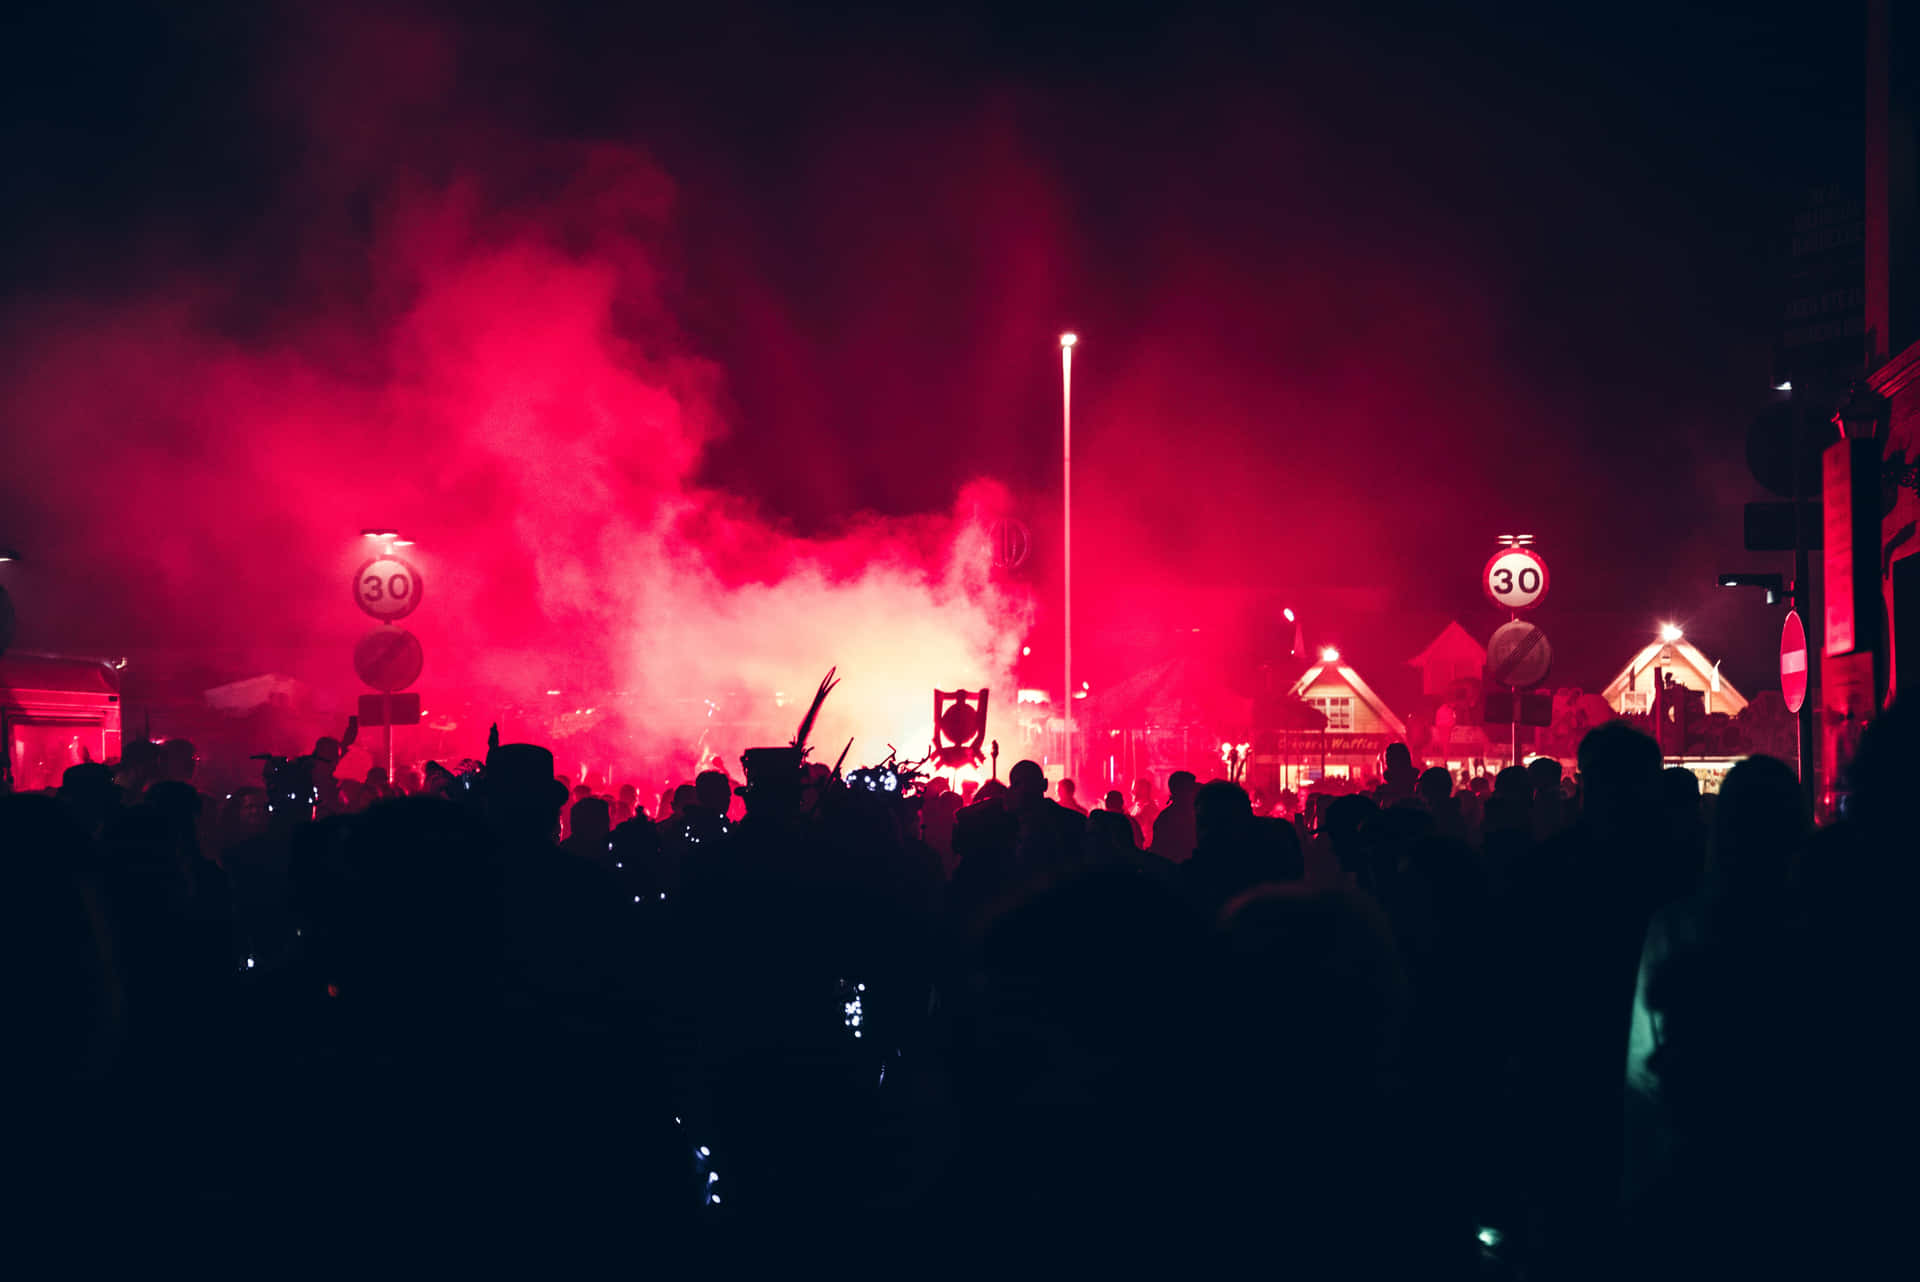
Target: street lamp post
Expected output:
[1066,511]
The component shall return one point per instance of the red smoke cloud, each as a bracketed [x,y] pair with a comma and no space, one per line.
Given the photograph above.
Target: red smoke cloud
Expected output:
[478,348]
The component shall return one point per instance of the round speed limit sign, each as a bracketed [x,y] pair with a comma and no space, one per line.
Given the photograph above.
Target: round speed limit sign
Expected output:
[1515,578]
[387,588]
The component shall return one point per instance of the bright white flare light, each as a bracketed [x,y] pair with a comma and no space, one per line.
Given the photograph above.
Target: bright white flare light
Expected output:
[1068,340]
[1329,655]
[1670,632]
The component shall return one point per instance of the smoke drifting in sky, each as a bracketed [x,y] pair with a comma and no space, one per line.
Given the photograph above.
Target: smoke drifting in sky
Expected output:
[473,343]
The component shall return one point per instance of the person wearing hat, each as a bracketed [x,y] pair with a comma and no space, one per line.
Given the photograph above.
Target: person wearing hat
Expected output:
[523,798]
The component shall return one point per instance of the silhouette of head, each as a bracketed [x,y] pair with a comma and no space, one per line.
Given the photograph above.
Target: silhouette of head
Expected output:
[89,793]
[177,760]
[139,760]
[1435,786]
[327,749]
[1513,784]
[591,820]
[714,791]
[1619,772]
[1759,822]
[1113,800]
[1068,791]
[1399,764]
[777,781]
[1545,773]
[1143,790]
[1222,812]
[684,799]
[1181,785]
[523,798]
[1680,790]
[1026,783]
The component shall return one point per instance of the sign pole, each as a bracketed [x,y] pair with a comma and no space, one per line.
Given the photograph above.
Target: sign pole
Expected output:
[1066,544]
[386,702]
[1803,729]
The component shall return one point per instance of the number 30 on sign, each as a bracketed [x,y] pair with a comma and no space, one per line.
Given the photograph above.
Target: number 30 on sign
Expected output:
[1515,578]
[387,588]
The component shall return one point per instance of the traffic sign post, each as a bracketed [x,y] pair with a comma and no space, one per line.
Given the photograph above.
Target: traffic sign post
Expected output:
[1518,656]
[388,659]
[1515,578]
[390,710]
[387,588]
[1793,662]
[1794,671]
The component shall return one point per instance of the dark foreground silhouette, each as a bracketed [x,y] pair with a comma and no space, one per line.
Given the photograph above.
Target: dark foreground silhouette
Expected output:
[1574,1029]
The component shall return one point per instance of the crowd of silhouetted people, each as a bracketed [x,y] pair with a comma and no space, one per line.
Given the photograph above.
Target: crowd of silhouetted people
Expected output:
[1589,1024]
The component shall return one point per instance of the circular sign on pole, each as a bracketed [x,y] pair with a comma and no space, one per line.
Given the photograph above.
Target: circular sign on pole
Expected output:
[1793,662]
[387,588]
[388,659]
[1518,655]
[1012,542]
[1515,578]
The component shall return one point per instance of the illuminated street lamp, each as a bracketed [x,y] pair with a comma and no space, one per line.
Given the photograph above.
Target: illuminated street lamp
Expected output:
[1671,632]
[1067,342]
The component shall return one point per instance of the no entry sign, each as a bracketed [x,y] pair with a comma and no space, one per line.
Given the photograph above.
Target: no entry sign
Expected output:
[388,658]
[387,588]
[1793,662]
[1515,578]
[1518,655]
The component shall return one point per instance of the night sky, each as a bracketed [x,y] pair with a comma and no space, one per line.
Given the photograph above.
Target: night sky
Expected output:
[1359,288]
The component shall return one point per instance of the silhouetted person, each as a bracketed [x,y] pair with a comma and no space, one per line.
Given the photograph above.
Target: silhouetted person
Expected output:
[1435,790]
[1092,1000]
[1050,833]
[1235,850]
[178,759]
[1400,775]
[1069,796]
[90,796]
[937,815]
[714,792]
[1143,806]
[1703,1084]
[626,804]
[1319,969]
[589,824]
[139,765]
[1686,827]
[1548,803]
[1174,830]
[1117,803]
[1584,909]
